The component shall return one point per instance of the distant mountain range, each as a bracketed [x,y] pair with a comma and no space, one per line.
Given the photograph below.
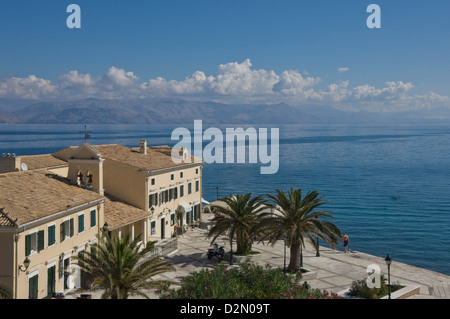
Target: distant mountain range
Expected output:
[179,111]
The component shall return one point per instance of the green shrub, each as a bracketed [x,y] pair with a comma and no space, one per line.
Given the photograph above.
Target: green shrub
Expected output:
[249,281]
[360,289]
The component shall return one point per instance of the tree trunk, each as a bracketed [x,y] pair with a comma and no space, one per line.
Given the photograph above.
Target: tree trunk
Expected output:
[294,260]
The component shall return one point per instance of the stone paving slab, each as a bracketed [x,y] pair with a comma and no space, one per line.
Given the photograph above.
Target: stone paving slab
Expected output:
[335,269]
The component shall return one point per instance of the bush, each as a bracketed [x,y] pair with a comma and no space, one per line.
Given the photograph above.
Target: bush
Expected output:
[360,289]
[249,281]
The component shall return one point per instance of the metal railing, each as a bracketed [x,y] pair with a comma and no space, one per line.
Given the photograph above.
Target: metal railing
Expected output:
[164,247]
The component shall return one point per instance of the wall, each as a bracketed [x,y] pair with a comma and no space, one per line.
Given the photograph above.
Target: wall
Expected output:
[163,181]
[52,254]
[125,182]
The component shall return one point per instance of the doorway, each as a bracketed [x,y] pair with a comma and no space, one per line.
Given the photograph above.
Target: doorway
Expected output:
[163,228]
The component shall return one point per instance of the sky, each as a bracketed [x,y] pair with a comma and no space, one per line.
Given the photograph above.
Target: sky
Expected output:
[251,51]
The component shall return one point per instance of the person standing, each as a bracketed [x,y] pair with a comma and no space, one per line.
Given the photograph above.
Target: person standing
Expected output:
[345,239]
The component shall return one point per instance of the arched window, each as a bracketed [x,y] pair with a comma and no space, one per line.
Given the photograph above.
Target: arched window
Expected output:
[79,178]
[89,180]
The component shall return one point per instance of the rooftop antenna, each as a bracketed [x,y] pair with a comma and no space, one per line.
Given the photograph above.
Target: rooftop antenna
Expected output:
[86,135]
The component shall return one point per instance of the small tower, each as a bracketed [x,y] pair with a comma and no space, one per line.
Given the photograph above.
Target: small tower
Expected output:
[86,168]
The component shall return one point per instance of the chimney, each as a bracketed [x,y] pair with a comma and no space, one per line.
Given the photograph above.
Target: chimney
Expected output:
[10,163]
[143,147]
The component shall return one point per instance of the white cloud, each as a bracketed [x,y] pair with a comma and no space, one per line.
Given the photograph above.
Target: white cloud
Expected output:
[231,82]
[30,87]
[343,70]
[119,78]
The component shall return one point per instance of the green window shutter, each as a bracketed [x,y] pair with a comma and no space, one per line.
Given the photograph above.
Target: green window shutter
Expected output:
[51,280]
[71,227]
[187,217]
[40,240]
[33,287]
[51,236]
[27,245]
[62,232]
[93,218]
[80,223]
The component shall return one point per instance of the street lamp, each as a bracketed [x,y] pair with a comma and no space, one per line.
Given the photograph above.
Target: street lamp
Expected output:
[26,264]
[231,241]
[317,241]
[285,237]
[388,261]
[217,190]
[301,257]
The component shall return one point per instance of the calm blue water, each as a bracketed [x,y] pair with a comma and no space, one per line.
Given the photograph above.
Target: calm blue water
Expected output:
[359,169]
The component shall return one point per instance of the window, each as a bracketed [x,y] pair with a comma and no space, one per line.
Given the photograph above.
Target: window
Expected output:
[153,199]
[196,171]
[152,181]
[181,174]
[152,227]
[189,188]
[66,229]
[197,185]
[51,235]
[172,177]
[51,280]
[181,190]
[173,193]
[80,223]
[34,243]
[172,218]
[33,287]
[93,218]
[164,196]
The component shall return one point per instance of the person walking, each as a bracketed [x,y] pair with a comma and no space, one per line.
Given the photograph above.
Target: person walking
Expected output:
[345,239]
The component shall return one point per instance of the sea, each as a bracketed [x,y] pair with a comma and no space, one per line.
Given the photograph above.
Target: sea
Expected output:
[388,186]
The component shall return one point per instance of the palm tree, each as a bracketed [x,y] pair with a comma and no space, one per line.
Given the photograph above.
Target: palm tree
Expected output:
[119,266]
[297,218]
[239,216]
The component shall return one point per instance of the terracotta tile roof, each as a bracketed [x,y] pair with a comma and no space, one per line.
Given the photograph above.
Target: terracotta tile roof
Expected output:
[31,195]
[118,214]
[157,157]
[42,161]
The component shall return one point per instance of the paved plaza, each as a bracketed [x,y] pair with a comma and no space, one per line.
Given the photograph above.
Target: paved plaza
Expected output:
[334,270]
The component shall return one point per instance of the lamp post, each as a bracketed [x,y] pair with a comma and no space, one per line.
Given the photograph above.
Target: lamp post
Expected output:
[301,257]
[388,261]
[231,241]
[217,190]
[317,241]
[285,237]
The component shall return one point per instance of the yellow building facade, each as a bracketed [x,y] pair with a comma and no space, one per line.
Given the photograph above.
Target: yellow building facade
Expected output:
[53,207]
